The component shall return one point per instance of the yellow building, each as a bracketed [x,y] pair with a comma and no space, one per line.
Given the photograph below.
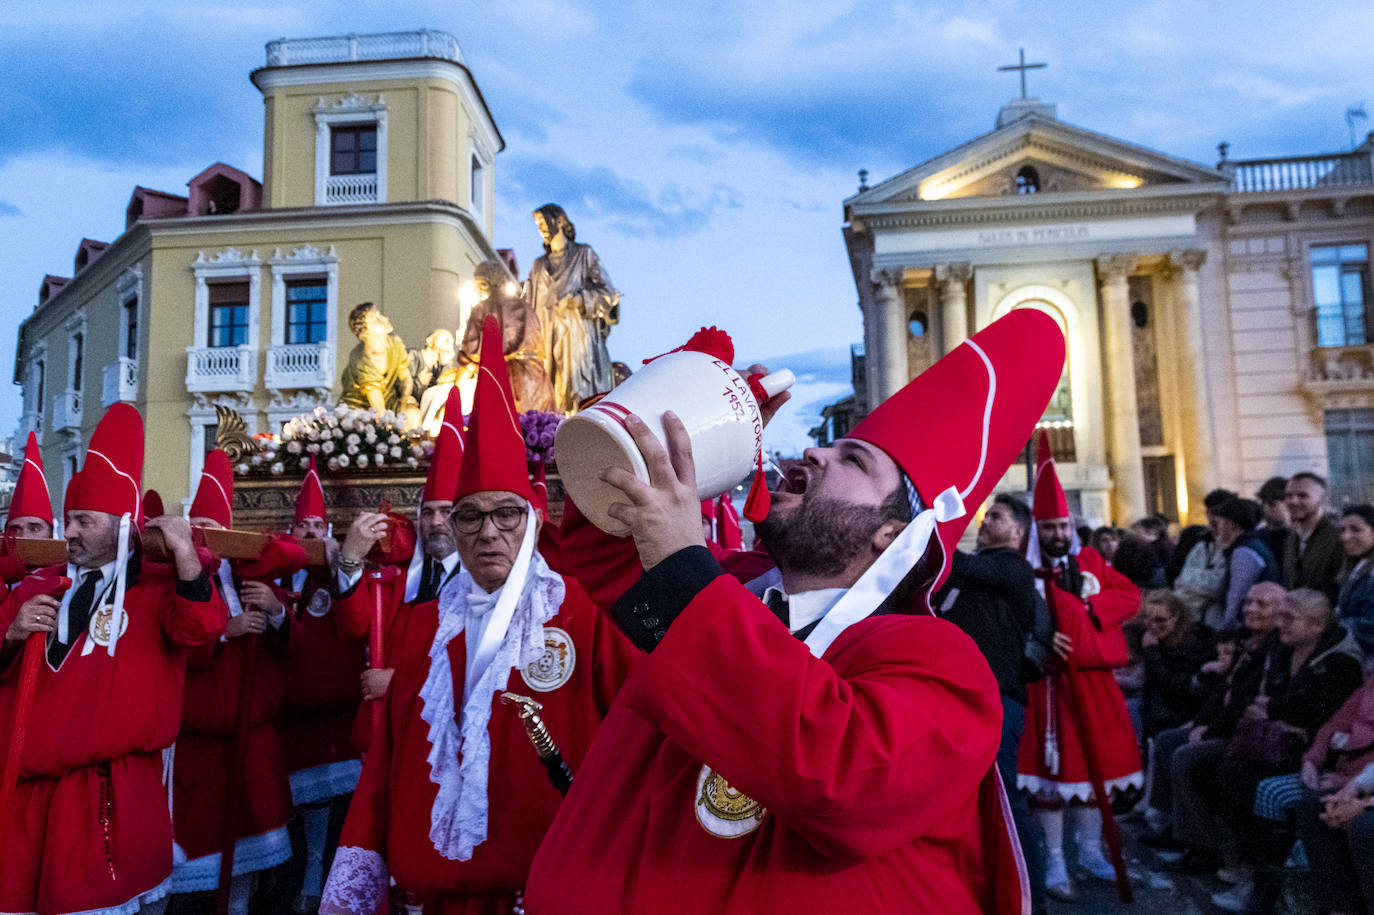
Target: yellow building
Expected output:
[377,186]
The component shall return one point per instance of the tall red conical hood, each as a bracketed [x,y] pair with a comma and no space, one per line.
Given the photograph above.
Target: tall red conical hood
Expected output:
[494,460]
[111,479]
[31,496]
[1049,500]
[152,505]
[310,499]
[215,494]
[540,485]
[961,423]
[447,459]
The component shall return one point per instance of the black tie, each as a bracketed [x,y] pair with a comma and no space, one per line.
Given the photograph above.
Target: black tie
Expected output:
[776,601]
[78,617]
[429,581]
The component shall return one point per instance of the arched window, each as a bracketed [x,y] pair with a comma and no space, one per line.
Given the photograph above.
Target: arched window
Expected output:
[918,324]
[1027,180]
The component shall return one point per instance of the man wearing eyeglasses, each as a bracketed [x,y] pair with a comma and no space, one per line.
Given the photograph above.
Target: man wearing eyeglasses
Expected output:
[453,800]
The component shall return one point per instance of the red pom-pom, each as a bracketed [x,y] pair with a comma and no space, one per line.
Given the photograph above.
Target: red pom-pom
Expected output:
[713,342]
[758,502]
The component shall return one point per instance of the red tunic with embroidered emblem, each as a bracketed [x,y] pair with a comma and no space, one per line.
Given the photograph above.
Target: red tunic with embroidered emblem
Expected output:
[323,691]
[1082,697]
[390,813]
[861,781]
[91,828]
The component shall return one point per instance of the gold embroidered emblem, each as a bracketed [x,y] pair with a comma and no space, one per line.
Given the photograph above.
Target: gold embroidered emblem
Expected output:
[1091,586]
[725,811]
[555,666]
[100,625]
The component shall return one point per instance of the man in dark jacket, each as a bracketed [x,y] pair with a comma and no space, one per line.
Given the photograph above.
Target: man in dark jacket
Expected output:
[1312,555]
[991,595]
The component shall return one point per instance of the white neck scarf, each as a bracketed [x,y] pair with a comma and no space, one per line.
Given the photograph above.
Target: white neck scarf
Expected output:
[460,748]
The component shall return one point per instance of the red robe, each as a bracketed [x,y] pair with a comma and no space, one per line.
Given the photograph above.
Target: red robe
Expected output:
[92,828]
[871,768]
[323,692]
[1082,696]
[390,813]
[205,753]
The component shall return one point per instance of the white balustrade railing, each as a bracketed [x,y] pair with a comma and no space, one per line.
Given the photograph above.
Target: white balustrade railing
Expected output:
[119,381]
[299,365]
[1296,173]
[66,411]
[221,368]
[287,52]
[351,188]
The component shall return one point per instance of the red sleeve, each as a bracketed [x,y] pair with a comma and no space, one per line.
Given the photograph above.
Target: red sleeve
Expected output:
[858,763]
[604,565]
[1119,599]
[354,611]
[358,879]
[192,623]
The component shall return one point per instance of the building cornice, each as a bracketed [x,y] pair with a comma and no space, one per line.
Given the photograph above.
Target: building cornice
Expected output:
[1034,208]
[300,219]
[266,78]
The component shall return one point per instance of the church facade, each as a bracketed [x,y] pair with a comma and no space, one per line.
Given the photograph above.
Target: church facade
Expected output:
[379,154]
[1218,318]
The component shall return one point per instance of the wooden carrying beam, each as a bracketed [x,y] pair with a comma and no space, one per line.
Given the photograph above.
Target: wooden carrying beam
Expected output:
[226,544]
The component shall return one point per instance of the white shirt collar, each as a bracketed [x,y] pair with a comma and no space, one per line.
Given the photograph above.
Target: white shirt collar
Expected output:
[805,608]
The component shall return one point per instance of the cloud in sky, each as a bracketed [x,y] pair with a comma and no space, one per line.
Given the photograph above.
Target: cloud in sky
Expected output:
[703,149]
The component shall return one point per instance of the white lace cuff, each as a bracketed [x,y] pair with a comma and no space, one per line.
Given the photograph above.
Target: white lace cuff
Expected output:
[358,883]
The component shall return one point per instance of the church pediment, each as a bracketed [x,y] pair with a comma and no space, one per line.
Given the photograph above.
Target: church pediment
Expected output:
[1036,154]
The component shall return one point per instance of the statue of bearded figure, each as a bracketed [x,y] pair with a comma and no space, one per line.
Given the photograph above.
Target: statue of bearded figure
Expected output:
[576,306]
[521,336]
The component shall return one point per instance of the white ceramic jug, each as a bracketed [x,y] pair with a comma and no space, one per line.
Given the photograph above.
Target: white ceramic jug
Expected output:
[713,402]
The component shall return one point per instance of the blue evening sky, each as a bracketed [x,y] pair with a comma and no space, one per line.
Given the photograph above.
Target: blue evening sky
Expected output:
[703,149]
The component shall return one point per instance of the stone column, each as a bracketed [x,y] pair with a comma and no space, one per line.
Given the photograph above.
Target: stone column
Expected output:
[1199,455]
[1123,422]
[886,359]
[953,279]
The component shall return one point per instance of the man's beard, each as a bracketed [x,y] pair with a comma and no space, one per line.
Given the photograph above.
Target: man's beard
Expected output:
[820,537]
[1055,547]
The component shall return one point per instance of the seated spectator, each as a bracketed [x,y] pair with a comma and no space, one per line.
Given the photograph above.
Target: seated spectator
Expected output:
[1305,677]
[1197,567]
[1355,600]
[1247,560]
[1137,560]
[1274,526]
[1261,607]
[1337,831]
[1174,650]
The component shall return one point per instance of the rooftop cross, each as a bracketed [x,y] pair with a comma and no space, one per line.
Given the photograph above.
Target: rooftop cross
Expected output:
[1023,67]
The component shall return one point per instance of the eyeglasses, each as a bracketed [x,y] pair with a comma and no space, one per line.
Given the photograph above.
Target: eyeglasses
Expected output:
[506,518]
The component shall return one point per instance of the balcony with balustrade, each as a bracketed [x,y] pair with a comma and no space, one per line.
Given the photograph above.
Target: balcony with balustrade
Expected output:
[344,189]
[1329,181]
[119,382]
[66,412]
[212,369]
[299,366]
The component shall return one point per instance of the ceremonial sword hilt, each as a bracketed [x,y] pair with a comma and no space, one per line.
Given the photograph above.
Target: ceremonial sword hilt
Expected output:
[538,733]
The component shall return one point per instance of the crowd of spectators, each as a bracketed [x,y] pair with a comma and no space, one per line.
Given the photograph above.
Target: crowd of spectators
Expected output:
[1246,684]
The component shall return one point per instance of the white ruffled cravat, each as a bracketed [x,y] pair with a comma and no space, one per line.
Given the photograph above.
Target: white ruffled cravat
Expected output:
[460,754]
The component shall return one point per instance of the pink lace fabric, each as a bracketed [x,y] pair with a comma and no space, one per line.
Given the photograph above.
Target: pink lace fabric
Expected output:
[358,883]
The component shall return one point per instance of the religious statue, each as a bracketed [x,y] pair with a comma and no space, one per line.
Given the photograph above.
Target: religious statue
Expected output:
[520,332]
[378,370]
[576,306]
[435,369]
